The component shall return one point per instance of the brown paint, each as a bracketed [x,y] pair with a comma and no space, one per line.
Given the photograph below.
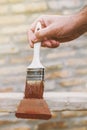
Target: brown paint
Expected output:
[33,109]
[34,89]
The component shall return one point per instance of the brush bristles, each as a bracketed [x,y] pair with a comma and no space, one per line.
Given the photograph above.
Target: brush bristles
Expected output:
[34,83]
[34,89]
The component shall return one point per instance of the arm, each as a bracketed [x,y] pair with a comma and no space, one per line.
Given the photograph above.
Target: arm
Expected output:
[82,20]
[83,14]
[57,29]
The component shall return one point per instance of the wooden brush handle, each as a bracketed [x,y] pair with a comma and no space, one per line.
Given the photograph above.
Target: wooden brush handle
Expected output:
[36,57]
[37,47]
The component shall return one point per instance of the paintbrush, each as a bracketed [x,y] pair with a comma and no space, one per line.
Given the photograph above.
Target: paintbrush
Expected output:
[35,73]
[33,105]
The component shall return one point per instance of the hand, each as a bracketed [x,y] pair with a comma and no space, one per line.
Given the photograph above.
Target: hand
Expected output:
[55,30]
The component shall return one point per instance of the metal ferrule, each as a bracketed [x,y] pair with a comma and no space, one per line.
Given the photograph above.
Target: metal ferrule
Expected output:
[35,74]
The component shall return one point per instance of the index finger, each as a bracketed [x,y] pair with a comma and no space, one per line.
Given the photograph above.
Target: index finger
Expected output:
[33,25]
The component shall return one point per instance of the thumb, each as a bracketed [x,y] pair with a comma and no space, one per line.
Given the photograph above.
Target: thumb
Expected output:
[45,32]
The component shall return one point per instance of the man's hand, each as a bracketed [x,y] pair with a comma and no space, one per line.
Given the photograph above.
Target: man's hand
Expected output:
[57,29]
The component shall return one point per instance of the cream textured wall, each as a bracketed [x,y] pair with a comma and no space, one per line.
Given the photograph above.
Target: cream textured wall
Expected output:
[66,66]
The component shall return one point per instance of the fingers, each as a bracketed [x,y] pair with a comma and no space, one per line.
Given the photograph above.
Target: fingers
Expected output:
[46,42]
[50,43]
[31,37]
[39,35]
[31,33]
[41,20]
[44,35]
[45,32]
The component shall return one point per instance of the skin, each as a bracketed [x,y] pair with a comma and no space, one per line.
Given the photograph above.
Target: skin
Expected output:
[58,29]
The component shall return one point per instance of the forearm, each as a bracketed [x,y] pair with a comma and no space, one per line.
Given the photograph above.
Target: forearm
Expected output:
[82,19]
